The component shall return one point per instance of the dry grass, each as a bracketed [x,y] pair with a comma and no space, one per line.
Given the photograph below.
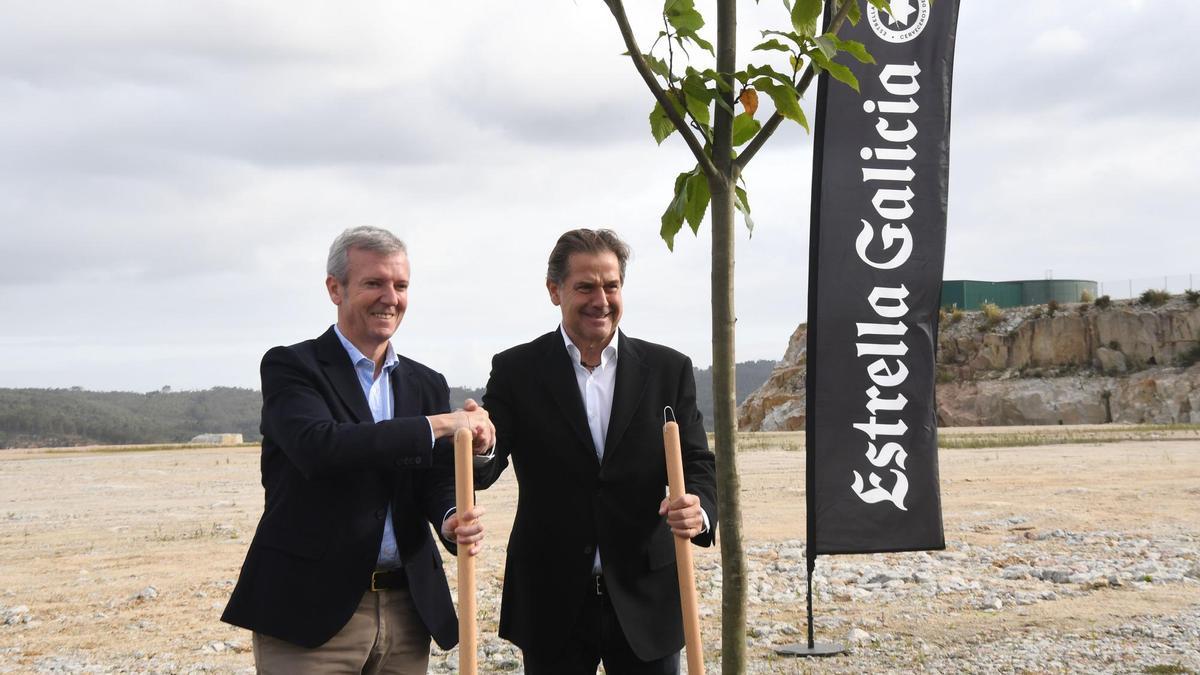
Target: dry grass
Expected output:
[1000,437]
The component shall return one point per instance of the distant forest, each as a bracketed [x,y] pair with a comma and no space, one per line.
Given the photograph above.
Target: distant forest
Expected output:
[65,417]
[62,417]
[750,376]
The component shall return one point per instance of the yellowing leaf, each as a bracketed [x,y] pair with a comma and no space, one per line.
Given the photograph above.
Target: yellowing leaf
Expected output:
[749,99]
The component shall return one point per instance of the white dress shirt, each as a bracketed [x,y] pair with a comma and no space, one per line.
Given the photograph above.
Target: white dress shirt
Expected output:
[597,387]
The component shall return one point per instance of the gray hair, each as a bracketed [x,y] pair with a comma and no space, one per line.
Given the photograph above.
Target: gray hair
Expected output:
[584,240]
[367,238]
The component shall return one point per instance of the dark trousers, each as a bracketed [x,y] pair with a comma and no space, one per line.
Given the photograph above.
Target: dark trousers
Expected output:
[596,637]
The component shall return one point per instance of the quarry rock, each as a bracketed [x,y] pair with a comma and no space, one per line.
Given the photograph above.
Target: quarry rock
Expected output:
[1081,365]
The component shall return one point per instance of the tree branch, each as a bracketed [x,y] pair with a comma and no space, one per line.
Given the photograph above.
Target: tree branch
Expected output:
[617,7]
[806,79]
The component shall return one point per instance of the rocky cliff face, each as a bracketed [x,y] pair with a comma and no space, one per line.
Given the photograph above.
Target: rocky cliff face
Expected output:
[778,405]
[1081,365]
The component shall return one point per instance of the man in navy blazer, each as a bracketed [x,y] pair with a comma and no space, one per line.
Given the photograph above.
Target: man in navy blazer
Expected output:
[590,575]
[357,463]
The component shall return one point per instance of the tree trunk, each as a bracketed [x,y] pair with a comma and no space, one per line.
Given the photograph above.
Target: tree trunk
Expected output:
[733,561]
[721,187]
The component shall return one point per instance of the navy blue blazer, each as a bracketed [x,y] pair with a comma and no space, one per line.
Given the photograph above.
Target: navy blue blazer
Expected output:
[330,472]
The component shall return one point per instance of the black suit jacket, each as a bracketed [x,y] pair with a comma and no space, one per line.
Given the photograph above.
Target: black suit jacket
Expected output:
[569,501]
[330,472]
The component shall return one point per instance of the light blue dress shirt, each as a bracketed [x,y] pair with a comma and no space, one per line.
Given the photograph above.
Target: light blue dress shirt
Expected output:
[378,391]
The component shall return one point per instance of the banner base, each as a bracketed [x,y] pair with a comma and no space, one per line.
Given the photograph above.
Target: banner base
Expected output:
[817,649]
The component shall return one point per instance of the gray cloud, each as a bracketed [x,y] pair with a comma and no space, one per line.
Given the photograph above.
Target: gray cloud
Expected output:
[175,171]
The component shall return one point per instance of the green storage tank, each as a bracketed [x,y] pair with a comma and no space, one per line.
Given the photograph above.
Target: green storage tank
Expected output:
[971,294]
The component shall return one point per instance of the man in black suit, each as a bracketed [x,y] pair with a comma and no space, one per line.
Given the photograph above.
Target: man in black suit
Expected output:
[590,574]
[342,574]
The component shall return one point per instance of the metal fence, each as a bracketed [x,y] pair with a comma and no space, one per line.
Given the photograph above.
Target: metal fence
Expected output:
[1132,288]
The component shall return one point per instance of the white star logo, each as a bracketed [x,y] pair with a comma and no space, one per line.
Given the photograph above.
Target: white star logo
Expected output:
[899,11]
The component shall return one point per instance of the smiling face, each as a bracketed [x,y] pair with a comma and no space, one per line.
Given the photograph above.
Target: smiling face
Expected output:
[372,301]
[590,299]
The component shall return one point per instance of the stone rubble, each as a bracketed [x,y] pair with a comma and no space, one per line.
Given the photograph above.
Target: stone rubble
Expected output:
[873,605]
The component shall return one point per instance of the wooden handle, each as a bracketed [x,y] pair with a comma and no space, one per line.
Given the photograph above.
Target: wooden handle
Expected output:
[683,555]
[464,492]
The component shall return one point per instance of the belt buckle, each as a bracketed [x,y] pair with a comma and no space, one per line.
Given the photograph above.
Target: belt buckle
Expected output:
[373,576]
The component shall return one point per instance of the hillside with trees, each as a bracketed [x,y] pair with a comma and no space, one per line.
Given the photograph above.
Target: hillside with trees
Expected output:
[750,376]
[64,417]
[31,418]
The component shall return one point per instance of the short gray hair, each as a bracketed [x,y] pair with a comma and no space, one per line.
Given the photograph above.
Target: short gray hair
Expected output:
[584,240]
[367,238]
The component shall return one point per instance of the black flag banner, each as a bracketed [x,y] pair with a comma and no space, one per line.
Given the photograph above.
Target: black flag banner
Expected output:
[878,242]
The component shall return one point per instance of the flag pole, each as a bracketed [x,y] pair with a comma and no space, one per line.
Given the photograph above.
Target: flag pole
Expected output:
[813,648]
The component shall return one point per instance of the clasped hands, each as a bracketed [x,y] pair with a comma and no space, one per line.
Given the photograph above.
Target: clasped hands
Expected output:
[483,432]
[471,416]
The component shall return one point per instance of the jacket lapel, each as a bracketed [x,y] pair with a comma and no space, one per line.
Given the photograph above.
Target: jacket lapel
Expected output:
[558,375]
[631,383]
[335,363]
[406,400]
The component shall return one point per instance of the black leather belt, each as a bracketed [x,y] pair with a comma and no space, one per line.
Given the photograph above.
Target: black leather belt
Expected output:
[389,579]
[598,584]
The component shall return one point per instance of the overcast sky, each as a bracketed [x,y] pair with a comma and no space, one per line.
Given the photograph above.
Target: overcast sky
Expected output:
[171,173]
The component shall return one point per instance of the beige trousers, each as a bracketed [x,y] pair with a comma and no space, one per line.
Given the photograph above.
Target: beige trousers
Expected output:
[384,636]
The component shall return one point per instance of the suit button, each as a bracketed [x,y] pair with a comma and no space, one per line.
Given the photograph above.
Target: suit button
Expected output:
[416,460]
[588,550]
[380,514]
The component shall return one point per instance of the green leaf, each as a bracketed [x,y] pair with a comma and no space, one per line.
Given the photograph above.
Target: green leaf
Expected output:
[661,126]
[772,44]
[786,100]
[697,199]
[768,71]
[713,76]
[855,13]
[695,83]
[744,128]
[672,218]
[691,35]
[742,203]
[827,45]
[699,110]
[658,66]
[682,15]
[838,71]
[804,16]
[882,5]
[697,96]
[794,37]
[854,48]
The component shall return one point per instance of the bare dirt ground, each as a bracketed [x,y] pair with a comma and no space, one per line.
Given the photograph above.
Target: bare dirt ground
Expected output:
[122,562]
